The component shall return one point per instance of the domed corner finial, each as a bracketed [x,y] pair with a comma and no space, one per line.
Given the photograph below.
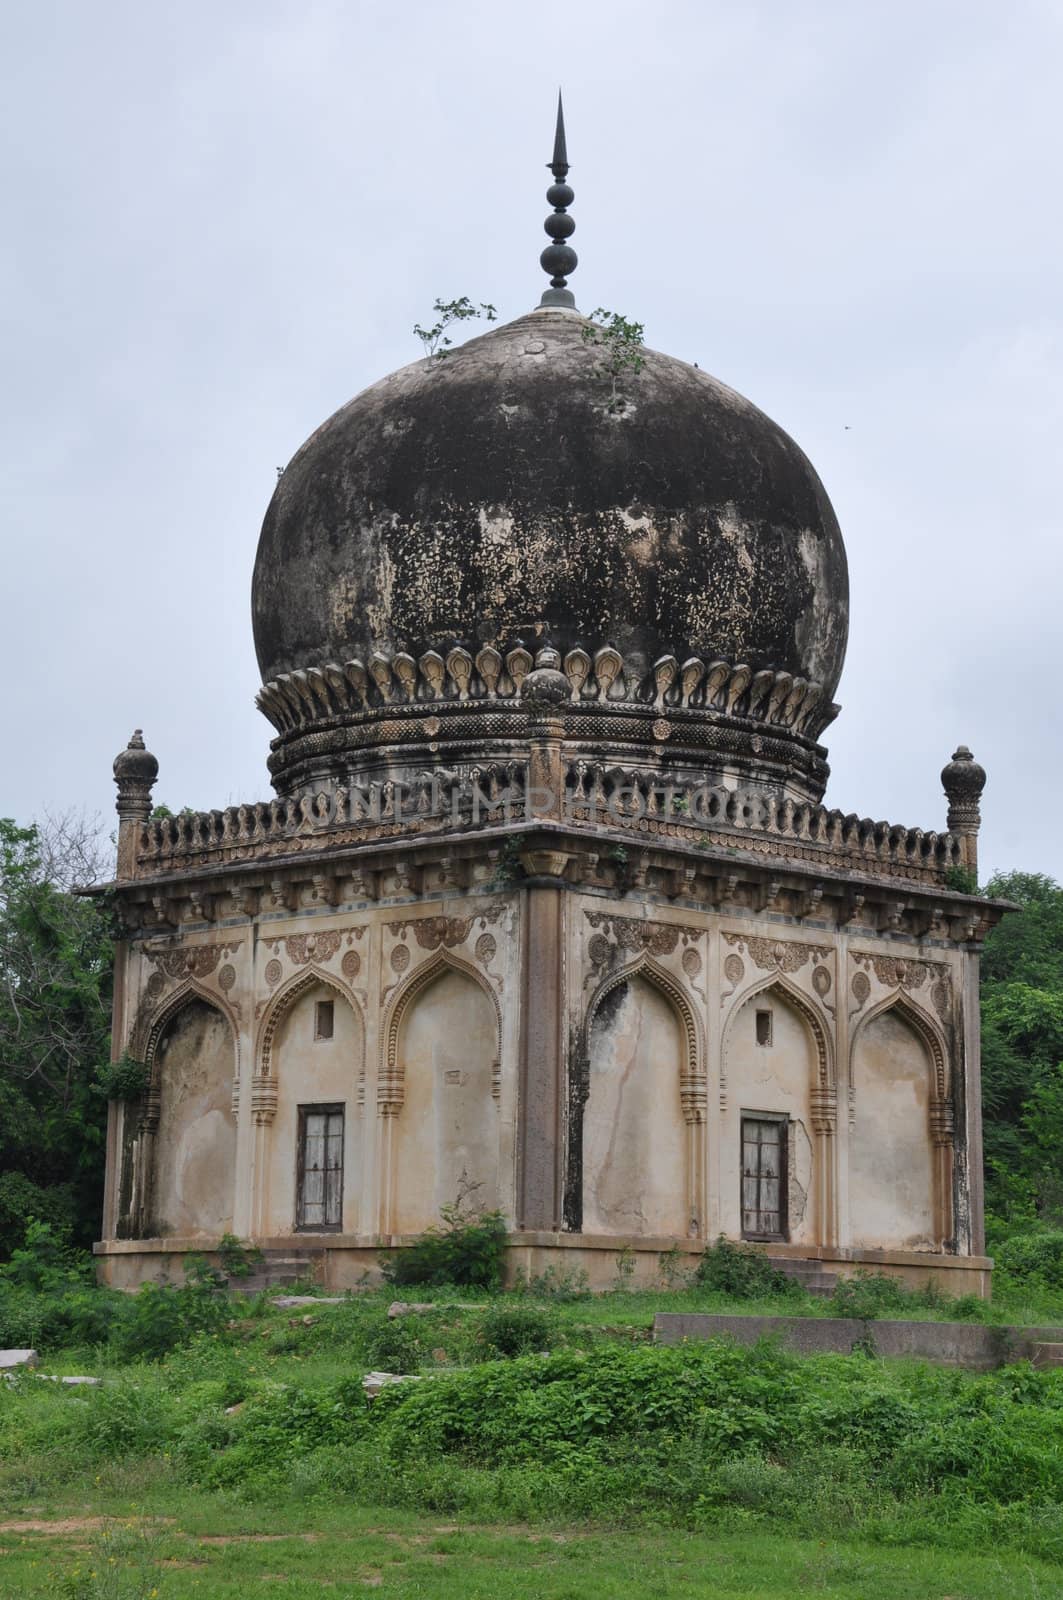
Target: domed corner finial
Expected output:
[559,259]
[135,771]
[963,780]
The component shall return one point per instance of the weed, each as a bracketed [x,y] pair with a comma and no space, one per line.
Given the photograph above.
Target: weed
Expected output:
[738,1270]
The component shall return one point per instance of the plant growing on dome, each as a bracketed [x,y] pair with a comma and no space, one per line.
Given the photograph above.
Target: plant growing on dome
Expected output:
[621,343]
[434,339]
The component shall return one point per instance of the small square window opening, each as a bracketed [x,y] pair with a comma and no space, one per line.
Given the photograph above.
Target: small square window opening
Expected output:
[764,1027]
[324,1019]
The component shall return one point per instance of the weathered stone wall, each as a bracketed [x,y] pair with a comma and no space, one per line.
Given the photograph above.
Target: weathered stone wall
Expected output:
[655,1002]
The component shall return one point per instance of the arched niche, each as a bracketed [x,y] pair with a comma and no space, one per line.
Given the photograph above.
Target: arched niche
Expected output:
[192,1064]
[777,1066]
[313,1052]
[900,1134]
[443,1072]
[636,1160]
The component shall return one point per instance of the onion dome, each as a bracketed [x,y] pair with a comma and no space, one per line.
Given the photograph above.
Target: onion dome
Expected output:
[552,487]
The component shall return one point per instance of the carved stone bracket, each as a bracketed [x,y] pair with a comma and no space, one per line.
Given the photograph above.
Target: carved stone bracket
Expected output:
[263,1099]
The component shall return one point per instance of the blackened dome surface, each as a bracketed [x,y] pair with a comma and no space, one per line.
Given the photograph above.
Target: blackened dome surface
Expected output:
[507,492]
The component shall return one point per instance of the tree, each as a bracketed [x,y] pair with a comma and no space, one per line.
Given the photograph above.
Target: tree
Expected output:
[55,1007]
[1022,1050]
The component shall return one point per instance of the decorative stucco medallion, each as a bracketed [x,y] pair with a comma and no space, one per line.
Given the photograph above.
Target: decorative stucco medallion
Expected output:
[734,969]
[351,965]
[400,958]
[662,728]
[274,972]
[155,985]
[432,726]
[485,949]
[598,948]
[227,977]
[691,963]
[941,994]
[861,987]
[821,981]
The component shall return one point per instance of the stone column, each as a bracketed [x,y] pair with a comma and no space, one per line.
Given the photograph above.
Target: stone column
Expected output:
[542,1072]
[542,1079]
[824,1109]
[972,1102]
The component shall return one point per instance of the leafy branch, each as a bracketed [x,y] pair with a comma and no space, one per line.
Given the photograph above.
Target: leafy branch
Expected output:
[434,339]
[621,343]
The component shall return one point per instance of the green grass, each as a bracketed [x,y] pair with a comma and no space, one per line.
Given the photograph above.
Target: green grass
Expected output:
[196,1546]
[613,1468]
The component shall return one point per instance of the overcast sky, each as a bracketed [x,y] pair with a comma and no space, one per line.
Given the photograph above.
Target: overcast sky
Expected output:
[220,221]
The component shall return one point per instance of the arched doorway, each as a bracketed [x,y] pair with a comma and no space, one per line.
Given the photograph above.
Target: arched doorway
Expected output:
[195,1145]
[770,1189]
[891,1154]
[635,1160]
[445,1134]
[317,1058]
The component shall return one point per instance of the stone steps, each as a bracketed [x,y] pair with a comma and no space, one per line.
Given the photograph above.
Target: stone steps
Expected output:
[809,1274]
[277,1271]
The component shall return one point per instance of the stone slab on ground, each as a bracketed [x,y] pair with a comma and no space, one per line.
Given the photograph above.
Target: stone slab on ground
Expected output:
[288,1301]
[977,1346]
[10,1359]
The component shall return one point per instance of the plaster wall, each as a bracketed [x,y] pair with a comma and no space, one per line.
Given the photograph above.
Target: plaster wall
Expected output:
[776,1077]
[195,1148]
[634,1135]
[446,1136]
[313,1071]
[891,1185]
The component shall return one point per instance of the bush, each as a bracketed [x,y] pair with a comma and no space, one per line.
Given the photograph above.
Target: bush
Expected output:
[467,1252]
[395,1345]
[1034,1258]
[238,1260]
[741,1272]
[161,1318]
[24,1203]
[517,1328]
[877,1294]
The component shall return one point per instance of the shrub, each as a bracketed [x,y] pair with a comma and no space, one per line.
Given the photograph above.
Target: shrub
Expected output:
[739,1271]
[468,1252]
[395,1345]
[876,1294]
[1034,1258]
[517,1328]
[161,1318]
[556,1283]
[124,1079]
[238,1260]
[24,1203]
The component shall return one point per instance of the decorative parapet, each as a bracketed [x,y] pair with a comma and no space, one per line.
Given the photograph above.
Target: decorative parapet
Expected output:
[297,701]
[651,805]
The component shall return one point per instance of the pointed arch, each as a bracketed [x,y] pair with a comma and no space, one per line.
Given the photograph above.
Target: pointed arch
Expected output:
[282,1002]
[391,1089]
[826,1065]
[924,1027]
[940,1125]
[822,1092]
[159,1202]
[692,1077]
[150,1032]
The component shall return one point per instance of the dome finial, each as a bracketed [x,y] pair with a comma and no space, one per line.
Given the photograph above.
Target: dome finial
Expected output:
[559,259]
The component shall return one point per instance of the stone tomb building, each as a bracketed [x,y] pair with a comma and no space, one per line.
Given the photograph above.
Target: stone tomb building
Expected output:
[547,906]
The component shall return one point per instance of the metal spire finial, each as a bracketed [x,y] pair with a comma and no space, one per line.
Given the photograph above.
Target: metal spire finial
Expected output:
[559,259]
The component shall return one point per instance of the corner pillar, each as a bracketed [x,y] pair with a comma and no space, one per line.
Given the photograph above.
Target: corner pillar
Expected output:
[542,1076]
